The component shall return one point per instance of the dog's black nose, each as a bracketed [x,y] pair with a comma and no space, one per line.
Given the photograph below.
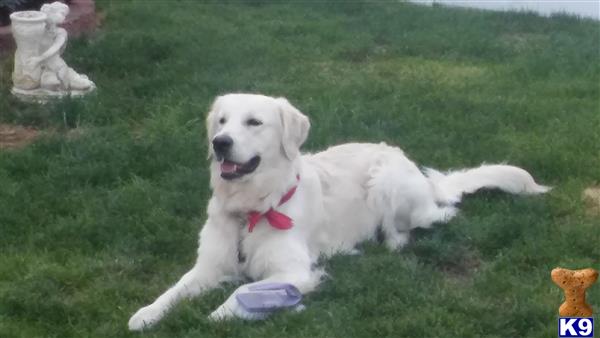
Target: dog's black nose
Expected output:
[222,144]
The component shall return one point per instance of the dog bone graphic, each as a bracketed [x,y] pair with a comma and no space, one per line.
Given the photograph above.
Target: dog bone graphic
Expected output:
[574,284]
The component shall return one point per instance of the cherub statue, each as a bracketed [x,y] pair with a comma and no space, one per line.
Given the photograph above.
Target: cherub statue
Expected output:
[40,71]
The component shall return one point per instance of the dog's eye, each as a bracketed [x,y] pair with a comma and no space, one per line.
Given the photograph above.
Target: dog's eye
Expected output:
[222,120]
[253,122]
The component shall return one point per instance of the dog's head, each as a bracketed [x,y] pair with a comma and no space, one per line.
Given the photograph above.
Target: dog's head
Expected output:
[247,132]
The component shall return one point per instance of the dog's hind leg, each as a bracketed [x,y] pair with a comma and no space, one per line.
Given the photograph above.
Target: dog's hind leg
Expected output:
[424,217]
[403,197]
[396,233]
[395,189]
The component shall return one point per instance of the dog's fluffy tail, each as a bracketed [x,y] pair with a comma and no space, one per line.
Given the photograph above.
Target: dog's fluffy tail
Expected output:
[450,186]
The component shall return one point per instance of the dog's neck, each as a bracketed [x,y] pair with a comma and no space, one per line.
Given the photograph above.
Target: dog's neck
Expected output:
[258,193]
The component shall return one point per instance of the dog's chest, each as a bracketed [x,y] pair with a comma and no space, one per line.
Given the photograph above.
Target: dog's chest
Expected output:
[241,247]
[255,248]
[246,242]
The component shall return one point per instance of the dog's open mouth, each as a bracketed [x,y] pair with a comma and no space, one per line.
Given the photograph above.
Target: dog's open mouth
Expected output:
[231,170]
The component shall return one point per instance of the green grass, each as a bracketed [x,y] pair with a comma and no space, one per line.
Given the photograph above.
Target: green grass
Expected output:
[100,215]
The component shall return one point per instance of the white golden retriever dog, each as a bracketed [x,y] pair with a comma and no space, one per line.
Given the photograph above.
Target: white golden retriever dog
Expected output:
[335,199]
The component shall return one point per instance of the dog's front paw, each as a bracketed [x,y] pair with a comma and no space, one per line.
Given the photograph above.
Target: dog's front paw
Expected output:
[233,309]
[223,312]
[145,317]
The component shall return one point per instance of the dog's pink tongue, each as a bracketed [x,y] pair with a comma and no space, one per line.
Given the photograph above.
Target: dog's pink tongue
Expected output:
[228,167]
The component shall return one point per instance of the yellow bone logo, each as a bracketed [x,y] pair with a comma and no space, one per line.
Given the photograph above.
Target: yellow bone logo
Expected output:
[574,283]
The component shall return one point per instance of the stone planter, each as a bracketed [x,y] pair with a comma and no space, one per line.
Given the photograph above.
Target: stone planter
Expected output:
[28,29]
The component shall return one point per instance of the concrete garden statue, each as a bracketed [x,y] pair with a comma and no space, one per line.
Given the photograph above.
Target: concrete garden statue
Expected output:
[40,73]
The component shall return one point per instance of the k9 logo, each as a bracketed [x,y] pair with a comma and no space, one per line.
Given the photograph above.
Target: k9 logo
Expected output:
[575,327]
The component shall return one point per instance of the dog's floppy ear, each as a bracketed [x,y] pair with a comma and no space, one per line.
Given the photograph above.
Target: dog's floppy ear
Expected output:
[211,125]
[295,128]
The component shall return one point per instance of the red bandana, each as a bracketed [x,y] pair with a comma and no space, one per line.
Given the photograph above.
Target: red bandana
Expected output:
[277,219]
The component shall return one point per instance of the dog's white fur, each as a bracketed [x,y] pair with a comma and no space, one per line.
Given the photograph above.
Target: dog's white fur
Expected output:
[344,194]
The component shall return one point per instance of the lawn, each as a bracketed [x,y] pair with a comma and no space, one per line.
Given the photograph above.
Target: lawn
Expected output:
[101,213]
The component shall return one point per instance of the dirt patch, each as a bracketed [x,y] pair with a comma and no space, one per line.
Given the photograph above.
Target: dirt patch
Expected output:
[591,197]
[15,137]
[462,270]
